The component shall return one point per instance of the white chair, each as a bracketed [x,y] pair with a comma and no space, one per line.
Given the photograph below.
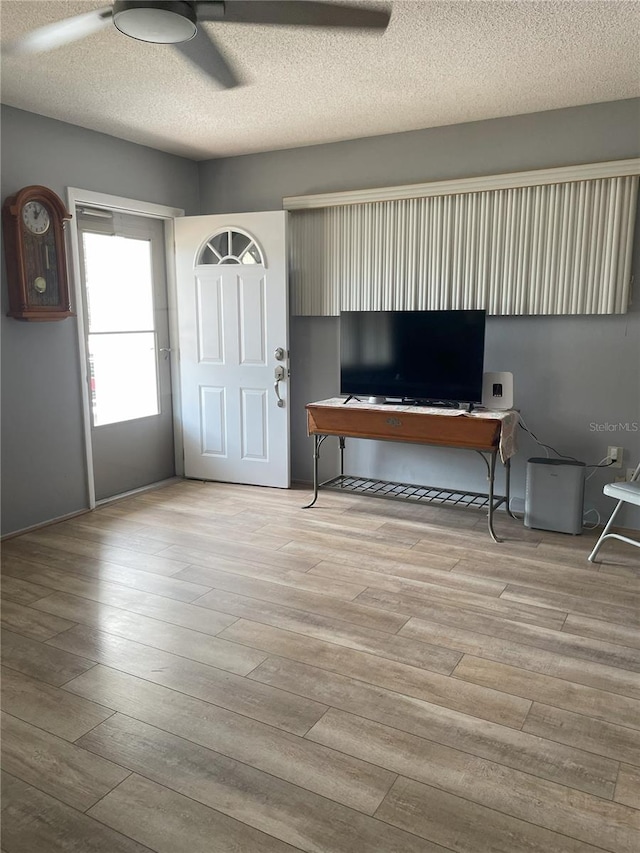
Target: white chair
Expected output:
[625,493]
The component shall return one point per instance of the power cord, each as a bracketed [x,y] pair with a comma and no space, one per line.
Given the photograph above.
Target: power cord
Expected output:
[548,447]
[514,514]
[595,467]
[592,526]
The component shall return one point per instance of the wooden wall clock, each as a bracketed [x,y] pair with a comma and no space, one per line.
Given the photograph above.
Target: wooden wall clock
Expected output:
[33,226]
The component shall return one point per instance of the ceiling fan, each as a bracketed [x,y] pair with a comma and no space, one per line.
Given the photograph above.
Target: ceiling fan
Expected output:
[176,22]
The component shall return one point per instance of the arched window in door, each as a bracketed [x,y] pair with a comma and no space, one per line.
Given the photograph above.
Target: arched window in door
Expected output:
[231,246]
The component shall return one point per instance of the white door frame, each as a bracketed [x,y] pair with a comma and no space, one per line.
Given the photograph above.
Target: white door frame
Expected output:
[75,197]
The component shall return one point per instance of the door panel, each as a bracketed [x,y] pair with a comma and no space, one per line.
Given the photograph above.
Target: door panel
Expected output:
[233,314]
[253,423]
[209,321]
[128,346]
[132,454]
[214,422]
[252,321]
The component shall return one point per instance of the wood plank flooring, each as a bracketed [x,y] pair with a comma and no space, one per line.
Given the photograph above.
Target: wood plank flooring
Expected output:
[207,668]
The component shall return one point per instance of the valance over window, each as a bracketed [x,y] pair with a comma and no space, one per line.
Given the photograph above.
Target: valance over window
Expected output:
[549,248]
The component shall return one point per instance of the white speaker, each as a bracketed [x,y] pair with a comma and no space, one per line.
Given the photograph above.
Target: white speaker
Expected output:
[497,391]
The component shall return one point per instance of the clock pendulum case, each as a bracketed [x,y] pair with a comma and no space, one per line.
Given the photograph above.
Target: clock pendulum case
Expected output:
[33,227]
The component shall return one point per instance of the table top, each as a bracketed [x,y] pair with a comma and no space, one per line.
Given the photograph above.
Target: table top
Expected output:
[506,415]
[506,420]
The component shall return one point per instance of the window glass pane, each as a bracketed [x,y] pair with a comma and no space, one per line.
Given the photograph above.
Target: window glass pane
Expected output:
[221,243]
[252,255]
[207,256]
[119,284]
[124,383]
[239,243]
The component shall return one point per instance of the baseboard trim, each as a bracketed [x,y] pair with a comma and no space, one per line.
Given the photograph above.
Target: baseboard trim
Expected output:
[159,485]
[42,524]
[150,488]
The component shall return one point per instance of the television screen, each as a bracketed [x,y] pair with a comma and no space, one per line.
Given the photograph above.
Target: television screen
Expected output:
[418,355]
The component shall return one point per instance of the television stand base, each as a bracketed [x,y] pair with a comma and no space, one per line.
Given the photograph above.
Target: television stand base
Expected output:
[436,404]
[412,401]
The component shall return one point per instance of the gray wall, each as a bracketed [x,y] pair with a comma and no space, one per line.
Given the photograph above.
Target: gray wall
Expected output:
[608,131]
[43,464]
[570,372]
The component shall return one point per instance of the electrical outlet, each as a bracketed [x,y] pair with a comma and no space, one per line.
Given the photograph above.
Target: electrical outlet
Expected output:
[614,455]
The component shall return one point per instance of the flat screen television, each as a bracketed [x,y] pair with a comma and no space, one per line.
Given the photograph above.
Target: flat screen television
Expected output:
[435,356]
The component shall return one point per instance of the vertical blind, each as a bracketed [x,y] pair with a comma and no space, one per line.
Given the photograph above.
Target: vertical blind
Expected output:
[557,248]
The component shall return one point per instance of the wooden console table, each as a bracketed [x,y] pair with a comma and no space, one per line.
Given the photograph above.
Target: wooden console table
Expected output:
[491,434]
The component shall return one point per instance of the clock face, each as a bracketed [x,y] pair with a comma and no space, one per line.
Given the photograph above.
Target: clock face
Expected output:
[36,217]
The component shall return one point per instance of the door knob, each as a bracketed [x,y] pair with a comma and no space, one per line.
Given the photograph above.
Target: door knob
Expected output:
[279,374]
[280,354]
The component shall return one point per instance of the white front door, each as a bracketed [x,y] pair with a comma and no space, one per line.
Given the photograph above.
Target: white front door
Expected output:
[233,340]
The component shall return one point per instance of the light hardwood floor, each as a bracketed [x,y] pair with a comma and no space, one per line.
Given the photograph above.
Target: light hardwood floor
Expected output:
[208,668]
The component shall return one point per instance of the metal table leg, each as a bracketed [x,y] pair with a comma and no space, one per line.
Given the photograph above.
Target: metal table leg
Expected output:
[341,439]
[317,441]
[492,479]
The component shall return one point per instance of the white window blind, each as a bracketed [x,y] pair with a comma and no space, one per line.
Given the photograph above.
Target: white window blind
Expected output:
[553,248]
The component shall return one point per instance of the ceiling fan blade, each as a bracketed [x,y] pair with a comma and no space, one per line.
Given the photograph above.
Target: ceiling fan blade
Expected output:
[59,33]
[293,13]
[205,55]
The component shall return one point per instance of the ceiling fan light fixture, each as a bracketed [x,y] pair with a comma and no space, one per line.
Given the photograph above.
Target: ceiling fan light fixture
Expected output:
[160,23]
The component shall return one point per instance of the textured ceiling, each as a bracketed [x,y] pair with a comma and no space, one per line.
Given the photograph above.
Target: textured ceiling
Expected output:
[438,63]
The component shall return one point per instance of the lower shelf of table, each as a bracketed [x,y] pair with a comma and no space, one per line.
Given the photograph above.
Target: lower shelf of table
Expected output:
[411,493]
